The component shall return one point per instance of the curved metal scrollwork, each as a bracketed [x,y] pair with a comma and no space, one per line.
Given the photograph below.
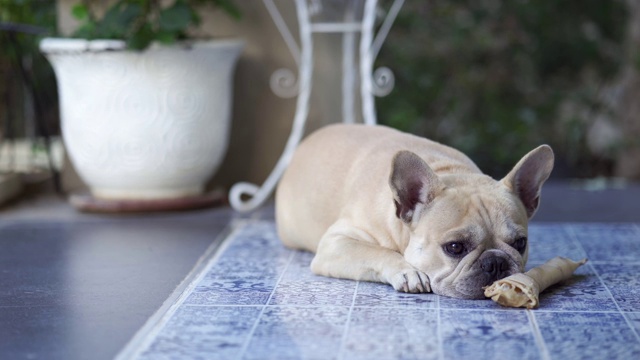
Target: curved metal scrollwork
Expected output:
[284,83]
[383,81]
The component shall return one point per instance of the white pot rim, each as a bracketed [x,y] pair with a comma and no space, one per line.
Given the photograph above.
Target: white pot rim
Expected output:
[67,45]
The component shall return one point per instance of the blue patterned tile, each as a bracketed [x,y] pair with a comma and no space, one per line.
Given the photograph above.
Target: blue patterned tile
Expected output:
[252,257]
[549,241]
[624,283]
[253,250]
[311,316]
[453,303]
[247,267]
[384,295]
[227,298]
[233,292]
[634,320]
[610,243]
[259,238]
[298,333]
[300,286]
[398,333]
[247,271]
[301,261]
[582,292]
[204,332]
[487,334]
[587,335]
[242,288]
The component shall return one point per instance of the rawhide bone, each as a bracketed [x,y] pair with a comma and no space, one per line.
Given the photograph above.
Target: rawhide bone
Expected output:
[523,289]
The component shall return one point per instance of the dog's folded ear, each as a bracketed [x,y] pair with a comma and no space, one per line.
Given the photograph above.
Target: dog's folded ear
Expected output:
[527,177]
[413,183]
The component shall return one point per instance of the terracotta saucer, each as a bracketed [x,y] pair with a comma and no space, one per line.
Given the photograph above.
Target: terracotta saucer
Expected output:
[88,203]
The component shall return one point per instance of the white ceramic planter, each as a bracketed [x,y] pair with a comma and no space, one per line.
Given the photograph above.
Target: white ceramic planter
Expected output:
[144,125]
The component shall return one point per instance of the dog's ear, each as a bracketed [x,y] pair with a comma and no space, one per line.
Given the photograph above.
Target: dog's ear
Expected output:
[527,177]
[413,183]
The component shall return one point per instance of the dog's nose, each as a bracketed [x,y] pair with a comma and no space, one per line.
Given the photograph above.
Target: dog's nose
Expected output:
[496,266]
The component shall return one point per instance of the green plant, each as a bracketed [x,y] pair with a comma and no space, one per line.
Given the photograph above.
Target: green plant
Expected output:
[141,22]
[29,98]
[492,77]
[23,70]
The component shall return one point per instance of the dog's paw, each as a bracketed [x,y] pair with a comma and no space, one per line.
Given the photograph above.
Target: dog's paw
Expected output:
[411,281]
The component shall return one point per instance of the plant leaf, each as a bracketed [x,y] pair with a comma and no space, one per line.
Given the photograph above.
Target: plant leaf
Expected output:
[120,20]
[80,12]
[85,31]
[166,37]
[140,39]
[177,17]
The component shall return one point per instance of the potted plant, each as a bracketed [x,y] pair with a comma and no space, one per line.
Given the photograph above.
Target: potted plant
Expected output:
[145,110]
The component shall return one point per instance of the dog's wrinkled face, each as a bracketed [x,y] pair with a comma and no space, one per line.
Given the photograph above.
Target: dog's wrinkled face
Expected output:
[468,238]
[467,230]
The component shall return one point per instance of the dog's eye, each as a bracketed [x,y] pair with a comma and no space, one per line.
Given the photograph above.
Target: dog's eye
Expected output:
[455,248]
[520,244]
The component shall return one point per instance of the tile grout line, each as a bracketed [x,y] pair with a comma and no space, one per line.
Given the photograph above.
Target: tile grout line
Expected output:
[537,335]
[145,336]
[245,346]
[346,326]
[572,235]
[595,271]
[622,313]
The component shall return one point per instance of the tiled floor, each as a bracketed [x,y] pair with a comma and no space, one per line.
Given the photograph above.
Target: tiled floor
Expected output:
[257,300]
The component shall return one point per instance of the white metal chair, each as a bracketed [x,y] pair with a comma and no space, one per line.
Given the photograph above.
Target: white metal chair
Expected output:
[284,83]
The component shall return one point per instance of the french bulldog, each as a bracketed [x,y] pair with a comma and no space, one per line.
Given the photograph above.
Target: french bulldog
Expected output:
[376,204]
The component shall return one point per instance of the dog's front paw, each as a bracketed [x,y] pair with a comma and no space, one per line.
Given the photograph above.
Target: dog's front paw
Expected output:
[411,281]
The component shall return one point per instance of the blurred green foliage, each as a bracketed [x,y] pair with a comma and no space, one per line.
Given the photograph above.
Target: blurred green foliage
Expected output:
[25,22]
[141,22]
[34,12]
[40,13]
[490,77]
